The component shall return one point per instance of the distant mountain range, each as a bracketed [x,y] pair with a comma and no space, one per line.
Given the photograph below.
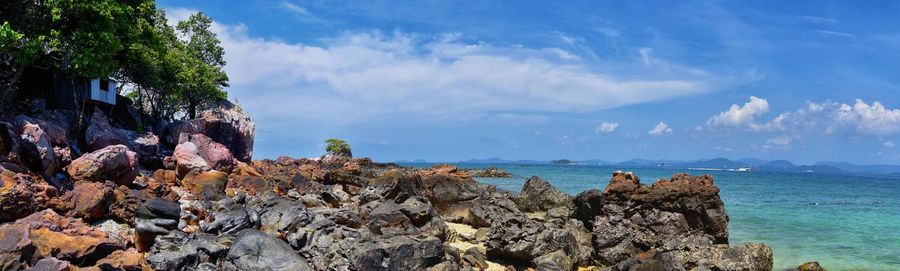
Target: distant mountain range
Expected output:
[751,164]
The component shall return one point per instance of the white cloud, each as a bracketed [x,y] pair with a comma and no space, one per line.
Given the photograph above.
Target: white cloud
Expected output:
[606,127]
[830,118]
[294,8]
[741,116]
[363,76]
[660,129]
[860,118]
[889,144]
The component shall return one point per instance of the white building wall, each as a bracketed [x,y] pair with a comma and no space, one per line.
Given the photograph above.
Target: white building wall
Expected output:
[100,95]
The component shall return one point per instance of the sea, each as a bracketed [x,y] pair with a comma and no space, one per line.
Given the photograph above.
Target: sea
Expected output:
[843,221]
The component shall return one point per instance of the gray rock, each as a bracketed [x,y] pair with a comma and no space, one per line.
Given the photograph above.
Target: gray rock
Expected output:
[255,250]
[398,253]
[519,240]
[281,216]
[635,217]
[554,261]
[539,195]
[178,251]
[228,218]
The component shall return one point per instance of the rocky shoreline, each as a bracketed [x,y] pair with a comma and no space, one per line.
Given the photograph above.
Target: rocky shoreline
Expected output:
[191,198]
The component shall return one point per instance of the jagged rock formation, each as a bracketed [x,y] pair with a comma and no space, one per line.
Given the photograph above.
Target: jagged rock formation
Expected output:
[190,198]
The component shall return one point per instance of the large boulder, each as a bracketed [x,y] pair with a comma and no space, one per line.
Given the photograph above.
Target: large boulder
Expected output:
[636,217]
[694,256]
[519,240]
[254,250]
[200,153]
[588,204]
[153,218]
[398,253]
[46,234]
[225,123]
[282,216]
[115,163]
[100,133]
[88,200]
[539,195]
[178,251]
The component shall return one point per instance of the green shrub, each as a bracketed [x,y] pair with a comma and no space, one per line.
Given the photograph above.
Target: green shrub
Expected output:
[338,147]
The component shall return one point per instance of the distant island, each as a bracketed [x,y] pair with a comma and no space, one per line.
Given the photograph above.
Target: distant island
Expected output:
[745,164]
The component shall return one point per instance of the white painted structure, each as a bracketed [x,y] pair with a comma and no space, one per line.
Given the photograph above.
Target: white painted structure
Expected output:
[103,90]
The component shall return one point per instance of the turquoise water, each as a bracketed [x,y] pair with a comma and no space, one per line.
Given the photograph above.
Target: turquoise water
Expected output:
[844,222]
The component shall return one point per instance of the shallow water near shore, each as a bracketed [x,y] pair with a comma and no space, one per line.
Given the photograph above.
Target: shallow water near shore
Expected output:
[844,222]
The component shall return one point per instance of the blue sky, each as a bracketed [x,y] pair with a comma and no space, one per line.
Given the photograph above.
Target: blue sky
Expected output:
[804,81]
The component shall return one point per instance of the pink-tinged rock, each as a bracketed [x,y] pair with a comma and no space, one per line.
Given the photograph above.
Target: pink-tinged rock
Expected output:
[37,151]
[187,159]
[52,264]
[114,163]
[225,123]
[100,134]
[211,154]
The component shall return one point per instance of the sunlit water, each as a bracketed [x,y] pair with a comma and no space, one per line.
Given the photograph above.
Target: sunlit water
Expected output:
[844,222]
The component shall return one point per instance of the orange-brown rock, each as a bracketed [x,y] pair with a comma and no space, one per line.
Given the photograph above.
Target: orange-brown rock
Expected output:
[125,204]
[312,172]
[244,169]
[51,235]
[250,185]
[21,195]
[88,200]
[166,176]
[123,260]
[206,185]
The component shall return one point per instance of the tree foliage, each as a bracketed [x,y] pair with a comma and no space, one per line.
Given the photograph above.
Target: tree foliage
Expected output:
[338,147]
[170,69]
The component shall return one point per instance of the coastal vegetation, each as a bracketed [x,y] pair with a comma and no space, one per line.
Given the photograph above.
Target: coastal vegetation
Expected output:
[168,69]
[338,147]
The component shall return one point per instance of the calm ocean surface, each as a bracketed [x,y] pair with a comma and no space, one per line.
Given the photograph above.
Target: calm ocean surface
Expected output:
[844,222]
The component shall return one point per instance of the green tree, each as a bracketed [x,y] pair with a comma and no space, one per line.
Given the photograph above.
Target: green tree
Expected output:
[203,63]
[338,147]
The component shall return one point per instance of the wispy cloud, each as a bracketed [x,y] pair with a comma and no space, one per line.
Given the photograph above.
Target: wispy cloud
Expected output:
[818,20]
[294,8]
[835,33]
[609,32]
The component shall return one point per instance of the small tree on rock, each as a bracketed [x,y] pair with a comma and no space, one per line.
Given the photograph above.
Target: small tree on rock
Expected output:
[338,147]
